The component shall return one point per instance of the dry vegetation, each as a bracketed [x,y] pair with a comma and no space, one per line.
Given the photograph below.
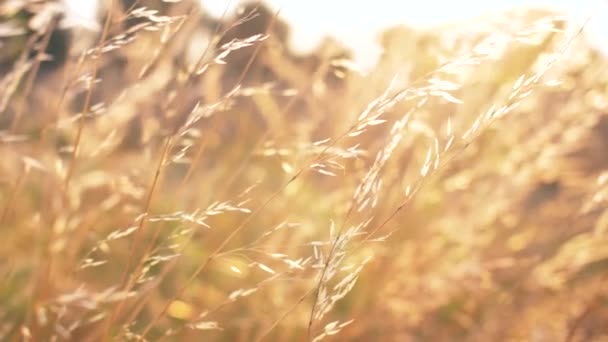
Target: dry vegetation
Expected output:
[177,177]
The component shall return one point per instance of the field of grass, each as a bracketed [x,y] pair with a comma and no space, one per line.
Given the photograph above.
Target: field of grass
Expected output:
[175,177]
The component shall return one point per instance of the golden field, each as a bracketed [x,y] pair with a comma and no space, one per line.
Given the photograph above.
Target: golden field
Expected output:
[179,177]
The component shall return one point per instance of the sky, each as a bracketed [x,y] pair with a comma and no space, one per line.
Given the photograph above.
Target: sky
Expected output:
[358,23]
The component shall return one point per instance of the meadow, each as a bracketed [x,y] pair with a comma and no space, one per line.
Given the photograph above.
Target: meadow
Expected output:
[180,177]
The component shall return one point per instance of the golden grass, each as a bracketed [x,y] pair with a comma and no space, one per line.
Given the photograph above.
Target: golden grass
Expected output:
[154,187]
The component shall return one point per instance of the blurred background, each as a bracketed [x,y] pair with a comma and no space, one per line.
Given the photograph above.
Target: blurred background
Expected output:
[358,24]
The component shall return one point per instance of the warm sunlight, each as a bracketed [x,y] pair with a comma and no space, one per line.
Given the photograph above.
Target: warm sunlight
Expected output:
[357,23]
[303,170]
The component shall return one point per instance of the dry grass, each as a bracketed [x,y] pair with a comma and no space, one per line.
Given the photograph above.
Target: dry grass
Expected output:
[180,178]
